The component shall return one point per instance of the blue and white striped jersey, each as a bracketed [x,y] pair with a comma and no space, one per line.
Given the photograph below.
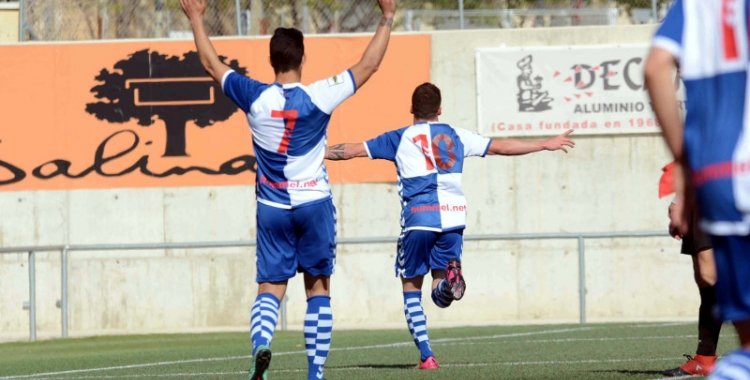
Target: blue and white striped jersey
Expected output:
[289,124]
[709,38]
[429,159]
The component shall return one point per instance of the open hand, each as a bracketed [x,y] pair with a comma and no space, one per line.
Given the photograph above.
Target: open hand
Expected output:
[559,142]
[193,9]
[388,7]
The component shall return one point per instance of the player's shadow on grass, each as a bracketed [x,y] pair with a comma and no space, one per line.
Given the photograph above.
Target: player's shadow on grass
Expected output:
[379,366]
[630,372]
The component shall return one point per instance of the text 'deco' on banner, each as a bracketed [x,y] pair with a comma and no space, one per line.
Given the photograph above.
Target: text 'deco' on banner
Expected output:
[547,90]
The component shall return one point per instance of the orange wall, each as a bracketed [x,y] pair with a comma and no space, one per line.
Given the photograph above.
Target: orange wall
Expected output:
[46,88]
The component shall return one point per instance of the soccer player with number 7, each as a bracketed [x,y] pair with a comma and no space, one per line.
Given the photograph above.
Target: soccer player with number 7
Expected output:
[429,158]
[296,219]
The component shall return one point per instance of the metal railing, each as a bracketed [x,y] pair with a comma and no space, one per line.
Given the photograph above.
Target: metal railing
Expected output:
[66,249]
[69,20]
[442,19]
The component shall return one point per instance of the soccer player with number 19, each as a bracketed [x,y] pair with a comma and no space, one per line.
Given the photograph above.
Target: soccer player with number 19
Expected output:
[296,219]
[429,158]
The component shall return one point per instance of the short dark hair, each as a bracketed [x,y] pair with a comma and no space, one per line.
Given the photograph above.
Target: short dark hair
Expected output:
[287,50]
[425,101]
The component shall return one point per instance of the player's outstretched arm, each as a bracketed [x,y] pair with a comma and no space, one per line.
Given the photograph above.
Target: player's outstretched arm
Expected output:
[375,51]
[345,151]
[515,147]
[194,10]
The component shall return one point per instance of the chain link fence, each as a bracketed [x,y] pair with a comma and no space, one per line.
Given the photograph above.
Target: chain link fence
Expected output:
[66,20]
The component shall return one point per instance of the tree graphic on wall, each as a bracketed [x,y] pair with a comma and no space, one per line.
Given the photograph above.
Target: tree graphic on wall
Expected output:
[148,86]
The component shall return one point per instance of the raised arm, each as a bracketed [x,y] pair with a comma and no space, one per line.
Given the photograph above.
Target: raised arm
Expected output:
[515,147]
[375,51]
[194,10]
[345,151]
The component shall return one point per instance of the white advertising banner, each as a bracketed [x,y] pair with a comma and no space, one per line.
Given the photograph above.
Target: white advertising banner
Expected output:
[543,91]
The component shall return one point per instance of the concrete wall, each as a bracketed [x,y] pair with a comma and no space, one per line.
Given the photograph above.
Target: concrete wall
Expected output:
[8,22]
[606,184]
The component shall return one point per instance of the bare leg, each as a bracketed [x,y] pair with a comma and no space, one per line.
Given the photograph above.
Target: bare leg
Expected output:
[317,285]
[743,330]
[704,268]
[413,284]
[437,276]
[278,289]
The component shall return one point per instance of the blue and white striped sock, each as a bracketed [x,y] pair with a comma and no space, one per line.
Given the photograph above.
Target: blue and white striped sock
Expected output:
[417,321]
[263,320]
[318,328]
[441,295]
[734,366]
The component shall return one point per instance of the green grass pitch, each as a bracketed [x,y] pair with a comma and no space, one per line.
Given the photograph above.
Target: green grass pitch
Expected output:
[591,351]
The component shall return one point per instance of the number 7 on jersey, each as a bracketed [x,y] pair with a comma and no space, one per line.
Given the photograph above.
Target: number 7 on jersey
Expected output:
[291,119]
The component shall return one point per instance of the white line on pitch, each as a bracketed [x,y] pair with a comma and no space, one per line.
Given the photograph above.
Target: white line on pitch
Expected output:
[589,361]
[187,374]
[566,340]
[667,324]
[514,335]
[365,368]
[390,345]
